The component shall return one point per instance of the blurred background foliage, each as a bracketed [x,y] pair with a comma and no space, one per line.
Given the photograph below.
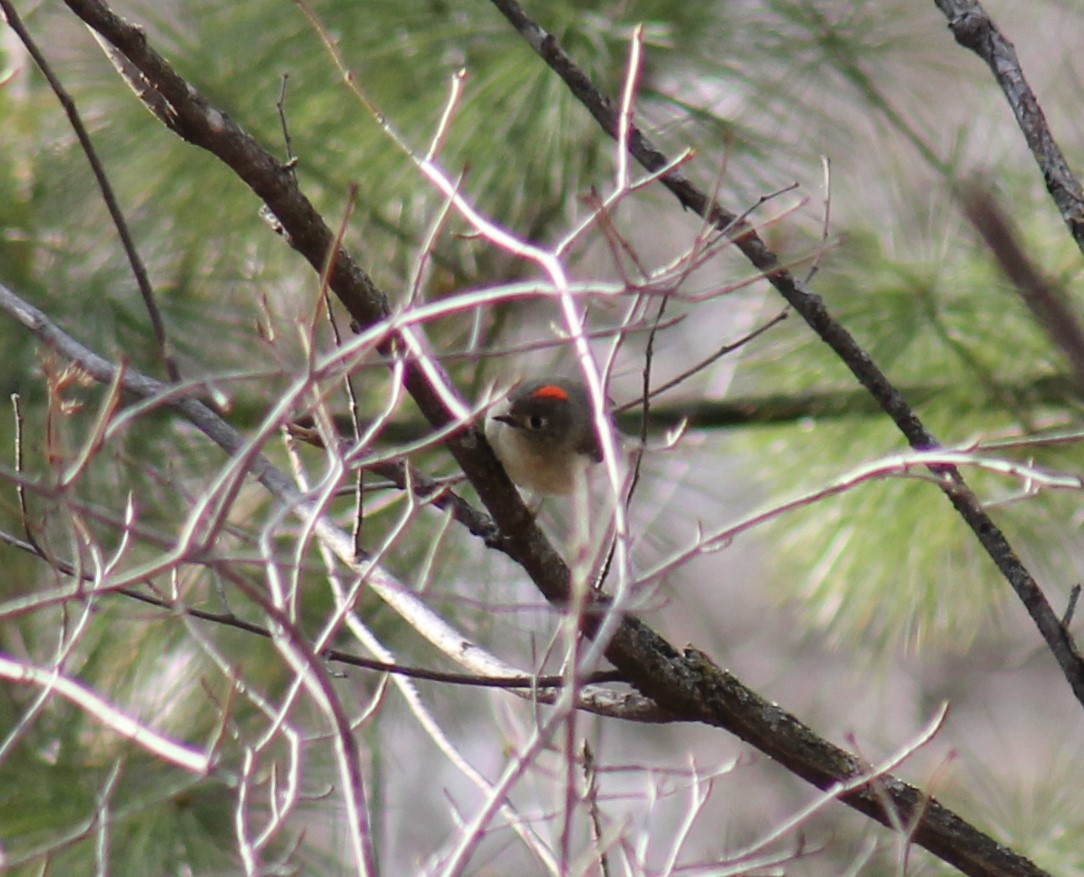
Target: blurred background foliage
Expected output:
[761,90]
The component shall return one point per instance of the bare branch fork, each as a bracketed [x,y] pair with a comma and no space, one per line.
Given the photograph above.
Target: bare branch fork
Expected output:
[687,684]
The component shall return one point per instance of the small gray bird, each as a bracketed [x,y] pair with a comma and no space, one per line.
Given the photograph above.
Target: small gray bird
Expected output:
[546,438]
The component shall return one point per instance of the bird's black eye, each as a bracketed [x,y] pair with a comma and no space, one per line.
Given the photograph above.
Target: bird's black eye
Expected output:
[536,421]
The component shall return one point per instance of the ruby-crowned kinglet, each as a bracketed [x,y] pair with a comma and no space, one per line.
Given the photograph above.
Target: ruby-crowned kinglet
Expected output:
[546,438]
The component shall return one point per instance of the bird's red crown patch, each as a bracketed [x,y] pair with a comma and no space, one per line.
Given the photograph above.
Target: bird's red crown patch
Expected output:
[551,391]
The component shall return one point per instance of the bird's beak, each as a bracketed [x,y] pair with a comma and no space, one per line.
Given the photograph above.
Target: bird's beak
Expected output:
[507,418]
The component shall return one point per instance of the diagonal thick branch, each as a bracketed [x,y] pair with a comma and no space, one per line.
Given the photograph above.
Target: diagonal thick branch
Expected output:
[687,684]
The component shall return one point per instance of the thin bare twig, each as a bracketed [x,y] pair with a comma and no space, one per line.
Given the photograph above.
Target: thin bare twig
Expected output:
[590,777]
[1070,608]
[704,363]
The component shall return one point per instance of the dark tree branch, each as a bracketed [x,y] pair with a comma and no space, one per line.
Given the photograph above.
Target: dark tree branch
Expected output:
[975,30]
